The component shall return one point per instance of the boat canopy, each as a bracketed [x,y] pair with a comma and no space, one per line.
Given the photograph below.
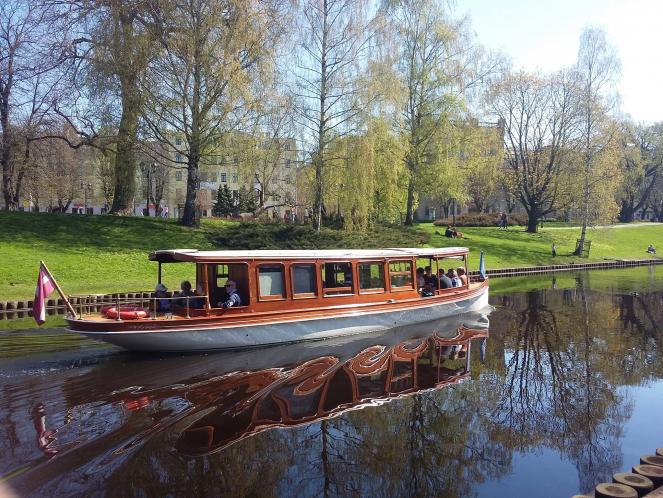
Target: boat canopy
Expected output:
[193,255]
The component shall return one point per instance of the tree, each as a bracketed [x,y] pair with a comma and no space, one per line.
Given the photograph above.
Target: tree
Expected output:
[538,114]
[596,69]
[334,37]
[30,48]
[435,65]
[207,76]
[642,166]
[224,205]
[246,201]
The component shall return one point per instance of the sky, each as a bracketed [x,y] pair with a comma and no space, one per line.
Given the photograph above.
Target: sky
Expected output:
[544,34]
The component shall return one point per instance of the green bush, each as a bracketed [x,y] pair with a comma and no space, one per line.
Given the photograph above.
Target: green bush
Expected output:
[250,235]
[481,220]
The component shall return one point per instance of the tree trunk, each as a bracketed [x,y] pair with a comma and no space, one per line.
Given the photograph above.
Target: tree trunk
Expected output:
[532,222]
[125,163]
[627,212]
[409,214]
[5,158]
[189,217]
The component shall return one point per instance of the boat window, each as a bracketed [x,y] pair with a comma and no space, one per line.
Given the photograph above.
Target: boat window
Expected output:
[303,280]
[337,279]
[222,272]
[400,275]
[271,281]
[371,277]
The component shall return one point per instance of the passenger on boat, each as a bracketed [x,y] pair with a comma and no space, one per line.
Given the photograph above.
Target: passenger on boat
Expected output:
[453,276]
[461,275]
[160,293]
[431,280]
[185,291]
[199,301]
[234,299]
[445,282]
[421,279]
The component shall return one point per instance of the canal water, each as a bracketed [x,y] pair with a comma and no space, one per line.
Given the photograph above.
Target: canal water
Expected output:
[558,389]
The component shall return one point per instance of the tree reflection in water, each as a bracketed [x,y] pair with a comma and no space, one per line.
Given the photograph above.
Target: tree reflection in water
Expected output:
[388,420]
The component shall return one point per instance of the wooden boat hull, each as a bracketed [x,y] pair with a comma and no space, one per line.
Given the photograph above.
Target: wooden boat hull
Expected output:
[182,337]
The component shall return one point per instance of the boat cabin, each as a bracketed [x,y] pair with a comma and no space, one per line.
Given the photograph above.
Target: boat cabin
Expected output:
[299,280]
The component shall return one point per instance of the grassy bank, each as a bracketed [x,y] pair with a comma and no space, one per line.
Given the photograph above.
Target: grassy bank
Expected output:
[514,247]
[89,254]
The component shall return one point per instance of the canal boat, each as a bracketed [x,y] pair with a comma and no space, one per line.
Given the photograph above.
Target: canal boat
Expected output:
[282,297]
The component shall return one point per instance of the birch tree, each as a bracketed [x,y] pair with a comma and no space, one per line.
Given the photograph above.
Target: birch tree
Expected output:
[334,37]
[207,78]
[596,70]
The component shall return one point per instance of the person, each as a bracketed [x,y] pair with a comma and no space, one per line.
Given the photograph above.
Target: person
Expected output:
[651,249]
[462,275]
[160,293]
[233,300]
[499,220]
[445,281]
[449,233]
[185,291]
[505,221]
[199,301]
[430,278]
[421,279]
[453,276]
[554,249]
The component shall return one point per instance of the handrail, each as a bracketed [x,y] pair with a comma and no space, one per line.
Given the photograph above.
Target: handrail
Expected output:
[92,303]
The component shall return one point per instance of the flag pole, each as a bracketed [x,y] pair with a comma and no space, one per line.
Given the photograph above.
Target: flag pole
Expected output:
[57,287]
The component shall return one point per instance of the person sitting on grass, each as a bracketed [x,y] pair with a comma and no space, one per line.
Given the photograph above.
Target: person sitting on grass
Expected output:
[651,249]
[233,300]
[449,233]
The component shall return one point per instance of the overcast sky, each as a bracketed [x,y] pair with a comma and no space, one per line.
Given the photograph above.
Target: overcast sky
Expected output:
[544,34]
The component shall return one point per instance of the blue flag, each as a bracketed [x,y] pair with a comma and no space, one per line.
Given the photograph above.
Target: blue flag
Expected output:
[482,267]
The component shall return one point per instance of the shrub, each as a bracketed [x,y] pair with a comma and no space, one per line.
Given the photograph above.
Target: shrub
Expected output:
[253,235]
[481,220]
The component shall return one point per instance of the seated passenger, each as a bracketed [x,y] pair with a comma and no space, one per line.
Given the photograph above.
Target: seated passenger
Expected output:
[233,299]
[427,290]
[453,276]
[160,293]
[421,280]
[445,282]
[462,275]
[199,301]
[185,291]
[431,279]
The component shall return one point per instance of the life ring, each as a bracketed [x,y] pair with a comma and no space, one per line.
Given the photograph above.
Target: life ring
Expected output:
[127,312]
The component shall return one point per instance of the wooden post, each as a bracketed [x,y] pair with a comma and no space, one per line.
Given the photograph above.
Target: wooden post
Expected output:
[70,308]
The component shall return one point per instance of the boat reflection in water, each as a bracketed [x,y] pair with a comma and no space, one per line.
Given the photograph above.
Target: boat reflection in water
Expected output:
[227,408]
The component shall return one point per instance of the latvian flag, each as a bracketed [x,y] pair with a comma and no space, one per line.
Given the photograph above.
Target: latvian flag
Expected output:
[45,288]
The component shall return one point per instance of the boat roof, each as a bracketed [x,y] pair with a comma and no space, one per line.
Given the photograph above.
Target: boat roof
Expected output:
[175,255]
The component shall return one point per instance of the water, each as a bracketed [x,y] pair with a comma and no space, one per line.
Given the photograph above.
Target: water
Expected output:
[566,390]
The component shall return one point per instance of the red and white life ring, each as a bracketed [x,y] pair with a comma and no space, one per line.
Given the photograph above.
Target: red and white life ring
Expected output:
[127,312]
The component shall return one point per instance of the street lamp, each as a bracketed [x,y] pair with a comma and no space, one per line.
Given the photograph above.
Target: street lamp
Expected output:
[86,187]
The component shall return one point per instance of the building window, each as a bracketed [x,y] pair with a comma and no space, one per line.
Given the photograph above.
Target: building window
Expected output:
[178,176]
[178,141]
[287,163]
[178,158]
[222,177]
[303,280]
[234,177]
[371,276]
[271,282]
[287,180]
[287,146]
[275,179]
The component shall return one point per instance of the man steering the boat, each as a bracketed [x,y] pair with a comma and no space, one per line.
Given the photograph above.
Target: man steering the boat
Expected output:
[233,300]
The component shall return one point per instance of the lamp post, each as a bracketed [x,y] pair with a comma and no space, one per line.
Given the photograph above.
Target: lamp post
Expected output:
[86,187]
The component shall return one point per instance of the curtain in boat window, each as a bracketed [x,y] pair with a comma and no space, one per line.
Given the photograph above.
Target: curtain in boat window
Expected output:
[271,280]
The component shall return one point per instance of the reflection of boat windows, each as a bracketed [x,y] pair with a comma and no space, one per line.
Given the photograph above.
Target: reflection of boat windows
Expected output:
[303,280]
[400,275]
[371,277]
[337,279]
[271,282]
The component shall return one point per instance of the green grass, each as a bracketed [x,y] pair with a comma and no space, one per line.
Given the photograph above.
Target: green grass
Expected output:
[515,247]
[109,254]
[90,254]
